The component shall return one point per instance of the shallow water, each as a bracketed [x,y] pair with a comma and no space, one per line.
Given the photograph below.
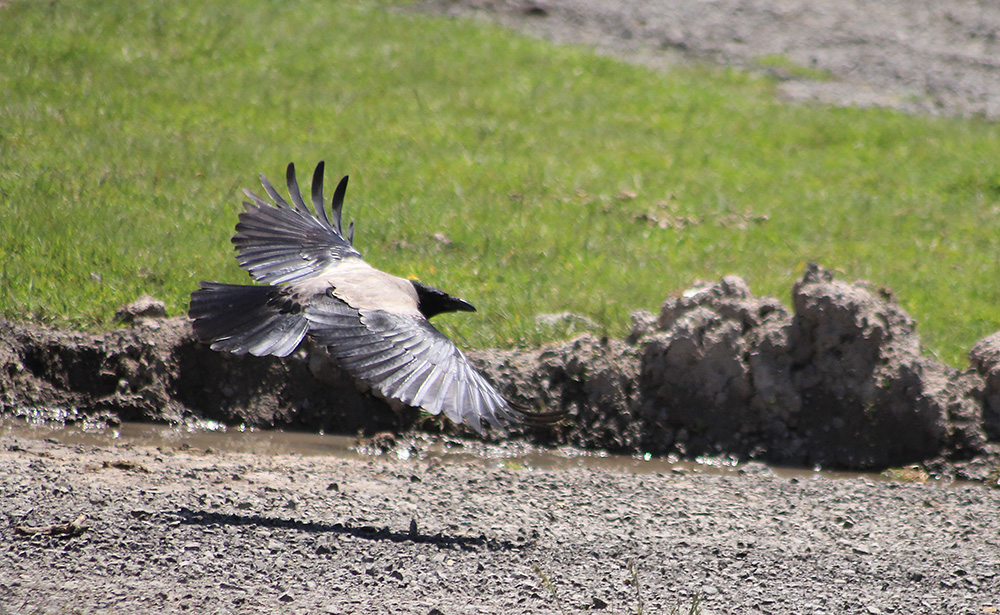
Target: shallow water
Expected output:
[211,435]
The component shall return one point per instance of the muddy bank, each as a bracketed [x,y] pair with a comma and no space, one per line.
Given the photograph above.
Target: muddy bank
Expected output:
[839,382]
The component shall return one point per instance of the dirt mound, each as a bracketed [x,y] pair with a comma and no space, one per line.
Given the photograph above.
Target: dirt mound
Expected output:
[716,373]
[841,382]
[985,357]
[862,364]
[594,379]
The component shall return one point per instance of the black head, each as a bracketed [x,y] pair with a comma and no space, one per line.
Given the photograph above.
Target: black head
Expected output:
[434,301]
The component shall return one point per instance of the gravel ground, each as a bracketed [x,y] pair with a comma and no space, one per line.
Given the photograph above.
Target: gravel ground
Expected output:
[176,528]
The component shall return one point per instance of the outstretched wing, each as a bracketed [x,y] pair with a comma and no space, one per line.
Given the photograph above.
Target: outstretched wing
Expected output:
[402,356]
[280,242]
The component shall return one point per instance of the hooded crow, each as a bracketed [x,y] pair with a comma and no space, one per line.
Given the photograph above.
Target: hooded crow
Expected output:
[315,283]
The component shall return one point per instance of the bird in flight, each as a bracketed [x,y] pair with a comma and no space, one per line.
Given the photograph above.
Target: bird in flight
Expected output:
[314,282]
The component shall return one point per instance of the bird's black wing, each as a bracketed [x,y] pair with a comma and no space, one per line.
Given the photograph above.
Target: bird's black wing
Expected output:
[260,320]
[404,357]
[280,242]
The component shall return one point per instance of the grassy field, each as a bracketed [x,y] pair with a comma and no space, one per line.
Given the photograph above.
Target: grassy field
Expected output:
[562,180]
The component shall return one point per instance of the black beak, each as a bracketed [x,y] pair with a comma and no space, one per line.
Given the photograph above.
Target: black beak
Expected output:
[460,305]
[433,301]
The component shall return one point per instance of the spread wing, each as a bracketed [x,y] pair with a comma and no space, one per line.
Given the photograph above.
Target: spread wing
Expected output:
[402,356]
[280,242]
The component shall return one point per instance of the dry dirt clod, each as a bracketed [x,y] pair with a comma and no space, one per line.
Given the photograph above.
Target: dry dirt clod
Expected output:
[70,528]
[142,308]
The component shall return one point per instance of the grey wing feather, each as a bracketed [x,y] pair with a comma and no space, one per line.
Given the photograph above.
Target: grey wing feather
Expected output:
[278,242]
[405,358]
[246,319]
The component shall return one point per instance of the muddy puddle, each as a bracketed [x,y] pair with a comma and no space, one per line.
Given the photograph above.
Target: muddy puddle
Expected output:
[208,435]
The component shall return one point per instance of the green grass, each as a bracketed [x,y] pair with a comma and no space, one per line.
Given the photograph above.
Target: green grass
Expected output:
[786,68]
[127,129]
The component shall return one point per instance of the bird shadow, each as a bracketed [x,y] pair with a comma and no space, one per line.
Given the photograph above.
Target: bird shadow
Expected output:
[186,516]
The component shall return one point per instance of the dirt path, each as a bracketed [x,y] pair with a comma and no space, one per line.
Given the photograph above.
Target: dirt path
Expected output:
[170,530]
[919,56]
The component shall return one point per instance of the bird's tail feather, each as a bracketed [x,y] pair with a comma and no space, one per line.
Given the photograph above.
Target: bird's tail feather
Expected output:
[246,319]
